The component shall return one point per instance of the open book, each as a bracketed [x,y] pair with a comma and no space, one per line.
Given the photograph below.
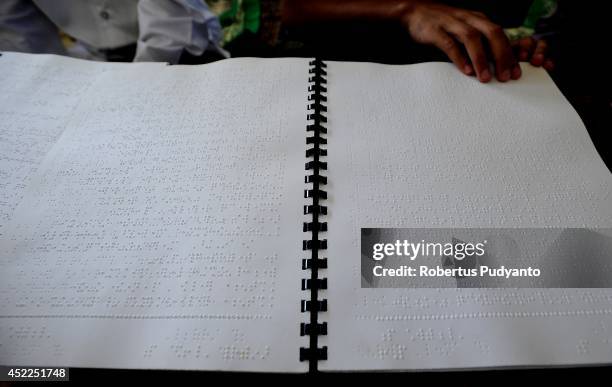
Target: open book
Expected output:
[208,217]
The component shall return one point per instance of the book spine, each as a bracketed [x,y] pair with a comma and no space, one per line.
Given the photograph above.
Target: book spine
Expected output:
[315,226]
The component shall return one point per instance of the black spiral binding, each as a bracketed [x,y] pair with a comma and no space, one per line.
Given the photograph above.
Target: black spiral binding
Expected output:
[315,226]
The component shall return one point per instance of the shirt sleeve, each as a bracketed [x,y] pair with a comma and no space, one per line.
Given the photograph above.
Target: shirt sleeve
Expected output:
[24,28]
[169,27]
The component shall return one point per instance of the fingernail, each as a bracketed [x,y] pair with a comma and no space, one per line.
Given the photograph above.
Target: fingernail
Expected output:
[537,59]
[468,69]
[516,72]
[485,75]
[504,76]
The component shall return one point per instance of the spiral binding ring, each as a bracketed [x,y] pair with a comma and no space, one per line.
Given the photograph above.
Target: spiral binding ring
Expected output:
[310,193]
[308,329]
[315,209]
[310,226]
[311,152]
[316,164]
[310,128]
[314,306]
[311,244]
[316,108]
[308,284]
[312,179]
[320,263]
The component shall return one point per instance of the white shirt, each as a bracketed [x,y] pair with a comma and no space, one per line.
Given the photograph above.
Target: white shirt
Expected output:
[162,29]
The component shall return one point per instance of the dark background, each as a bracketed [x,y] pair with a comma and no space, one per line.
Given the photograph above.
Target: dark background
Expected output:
[591,376]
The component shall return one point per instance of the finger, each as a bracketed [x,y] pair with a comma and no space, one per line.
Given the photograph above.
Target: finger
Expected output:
[525,47]
[539,54]
[471,39]
[549,65]
[528,43]
[462,14]
[479,14]
[505,62]
[451,48]
[516,72]
[519,52]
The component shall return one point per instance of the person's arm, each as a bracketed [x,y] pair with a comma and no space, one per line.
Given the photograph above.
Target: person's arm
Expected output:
[459,33]
[296,12]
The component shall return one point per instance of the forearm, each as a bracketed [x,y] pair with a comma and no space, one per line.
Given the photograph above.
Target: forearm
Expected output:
[296,12]
[463,35]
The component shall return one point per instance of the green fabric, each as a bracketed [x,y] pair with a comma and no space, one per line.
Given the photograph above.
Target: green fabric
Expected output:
[538,10]
[236,16]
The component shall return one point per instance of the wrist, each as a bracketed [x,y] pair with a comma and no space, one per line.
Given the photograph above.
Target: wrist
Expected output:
[400,9]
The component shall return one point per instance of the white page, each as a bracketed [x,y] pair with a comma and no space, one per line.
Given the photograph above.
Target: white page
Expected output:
[39,94]
[163,229]
[425,146]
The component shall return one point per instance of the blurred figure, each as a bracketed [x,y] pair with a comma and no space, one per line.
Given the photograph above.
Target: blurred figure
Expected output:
[116,30]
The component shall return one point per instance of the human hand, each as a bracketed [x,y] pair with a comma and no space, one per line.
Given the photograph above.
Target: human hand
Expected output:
[533,51]
[458,32]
